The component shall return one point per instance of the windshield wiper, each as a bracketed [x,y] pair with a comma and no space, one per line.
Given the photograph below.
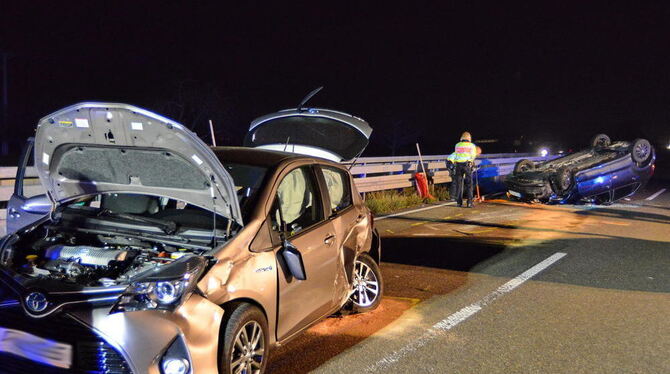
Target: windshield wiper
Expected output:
[168,227]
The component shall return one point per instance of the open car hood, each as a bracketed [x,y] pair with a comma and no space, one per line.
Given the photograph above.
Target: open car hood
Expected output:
[91,148]
[316,132]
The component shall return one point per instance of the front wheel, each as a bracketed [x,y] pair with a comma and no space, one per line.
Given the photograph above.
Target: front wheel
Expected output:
[244,345]
[563,181]
[601,141]
[367,286]
[523,166]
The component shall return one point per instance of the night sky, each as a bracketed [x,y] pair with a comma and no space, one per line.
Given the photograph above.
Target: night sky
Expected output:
[553,74]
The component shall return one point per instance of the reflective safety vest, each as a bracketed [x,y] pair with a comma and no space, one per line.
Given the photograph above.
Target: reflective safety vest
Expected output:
[465,152]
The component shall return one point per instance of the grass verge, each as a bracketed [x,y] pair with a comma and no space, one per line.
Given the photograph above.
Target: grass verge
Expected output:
[389,201]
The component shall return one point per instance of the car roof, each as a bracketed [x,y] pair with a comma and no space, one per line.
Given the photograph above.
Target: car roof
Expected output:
[261,157]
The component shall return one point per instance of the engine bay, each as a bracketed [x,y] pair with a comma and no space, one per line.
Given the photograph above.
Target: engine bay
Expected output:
[88,246]
[89,260]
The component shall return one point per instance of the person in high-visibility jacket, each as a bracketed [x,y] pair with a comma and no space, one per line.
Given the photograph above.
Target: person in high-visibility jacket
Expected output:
[464,159]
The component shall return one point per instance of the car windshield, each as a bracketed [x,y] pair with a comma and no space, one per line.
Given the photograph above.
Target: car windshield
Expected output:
[248,181]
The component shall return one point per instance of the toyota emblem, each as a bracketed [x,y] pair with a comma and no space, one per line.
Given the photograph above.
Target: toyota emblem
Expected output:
[36,302]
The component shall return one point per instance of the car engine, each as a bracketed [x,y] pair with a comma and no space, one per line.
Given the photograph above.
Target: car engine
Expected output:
[87,259]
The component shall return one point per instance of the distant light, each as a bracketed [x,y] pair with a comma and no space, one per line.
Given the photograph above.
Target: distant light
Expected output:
[600,180]
[668,147]
[544,152]
[561,152]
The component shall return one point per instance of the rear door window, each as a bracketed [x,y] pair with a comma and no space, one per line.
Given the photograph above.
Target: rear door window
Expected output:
[339,188]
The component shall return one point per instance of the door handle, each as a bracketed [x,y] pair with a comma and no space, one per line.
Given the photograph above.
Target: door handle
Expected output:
[329,239]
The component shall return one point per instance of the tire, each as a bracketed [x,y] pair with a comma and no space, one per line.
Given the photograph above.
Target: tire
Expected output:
[363,297]
[601,141]
[563,180]
[523,166]
[640,151]
[240,319]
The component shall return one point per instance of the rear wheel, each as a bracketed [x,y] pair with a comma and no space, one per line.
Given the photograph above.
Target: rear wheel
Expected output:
[600,141]
[640,151]
[244,345]
[523,166]
[367,287]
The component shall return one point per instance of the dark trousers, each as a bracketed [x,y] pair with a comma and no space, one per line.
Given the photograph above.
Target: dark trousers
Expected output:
[463,181]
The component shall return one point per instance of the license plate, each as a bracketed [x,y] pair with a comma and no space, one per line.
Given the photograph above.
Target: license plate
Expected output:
[34,348]
[514,193]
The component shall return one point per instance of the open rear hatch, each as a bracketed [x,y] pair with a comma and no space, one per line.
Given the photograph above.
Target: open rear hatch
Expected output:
[92,148]
[316,132]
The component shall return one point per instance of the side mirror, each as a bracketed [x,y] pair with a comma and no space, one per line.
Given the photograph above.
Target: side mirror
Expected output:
[39,204]
[293,260]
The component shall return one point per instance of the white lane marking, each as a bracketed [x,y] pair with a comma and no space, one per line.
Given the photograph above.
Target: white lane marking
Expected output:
[652,197]
[453,320]
[413,211]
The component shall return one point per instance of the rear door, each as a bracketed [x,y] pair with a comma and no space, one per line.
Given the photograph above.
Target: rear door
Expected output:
[346,218]
[299,210]
[21,211]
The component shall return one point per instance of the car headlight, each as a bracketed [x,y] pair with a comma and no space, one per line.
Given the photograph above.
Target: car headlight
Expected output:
[165,289]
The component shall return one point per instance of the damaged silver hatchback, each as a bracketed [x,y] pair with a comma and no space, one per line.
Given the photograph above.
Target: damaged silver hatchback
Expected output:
[162,255]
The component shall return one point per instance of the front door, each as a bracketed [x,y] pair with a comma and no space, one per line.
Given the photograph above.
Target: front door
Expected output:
[24,208]
[298,213]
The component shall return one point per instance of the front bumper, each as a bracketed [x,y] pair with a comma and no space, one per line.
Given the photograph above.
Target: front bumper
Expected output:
[121,343]
[527,191]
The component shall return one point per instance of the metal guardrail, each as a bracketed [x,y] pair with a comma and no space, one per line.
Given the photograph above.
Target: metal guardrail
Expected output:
[386,173]
[370,173]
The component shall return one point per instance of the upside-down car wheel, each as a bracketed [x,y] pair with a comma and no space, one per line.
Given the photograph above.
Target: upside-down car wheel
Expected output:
[523,165]
[563,180]
[640,151]
[600,141]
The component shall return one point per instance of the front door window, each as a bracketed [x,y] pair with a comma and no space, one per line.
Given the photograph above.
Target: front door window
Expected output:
[298,202]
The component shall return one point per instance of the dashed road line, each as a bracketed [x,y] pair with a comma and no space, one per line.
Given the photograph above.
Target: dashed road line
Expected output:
[453,320]
[657,194]
[414,211]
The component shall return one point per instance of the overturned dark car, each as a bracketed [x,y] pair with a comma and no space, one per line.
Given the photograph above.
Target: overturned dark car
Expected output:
[605,172]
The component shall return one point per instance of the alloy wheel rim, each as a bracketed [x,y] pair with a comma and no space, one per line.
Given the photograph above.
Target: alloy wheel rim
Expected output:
[248,350]
[641,150]
[365,288]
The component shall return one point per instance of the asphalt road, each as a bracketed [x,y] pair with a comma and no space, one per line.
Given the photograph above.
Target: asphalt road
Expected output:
[510,288]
